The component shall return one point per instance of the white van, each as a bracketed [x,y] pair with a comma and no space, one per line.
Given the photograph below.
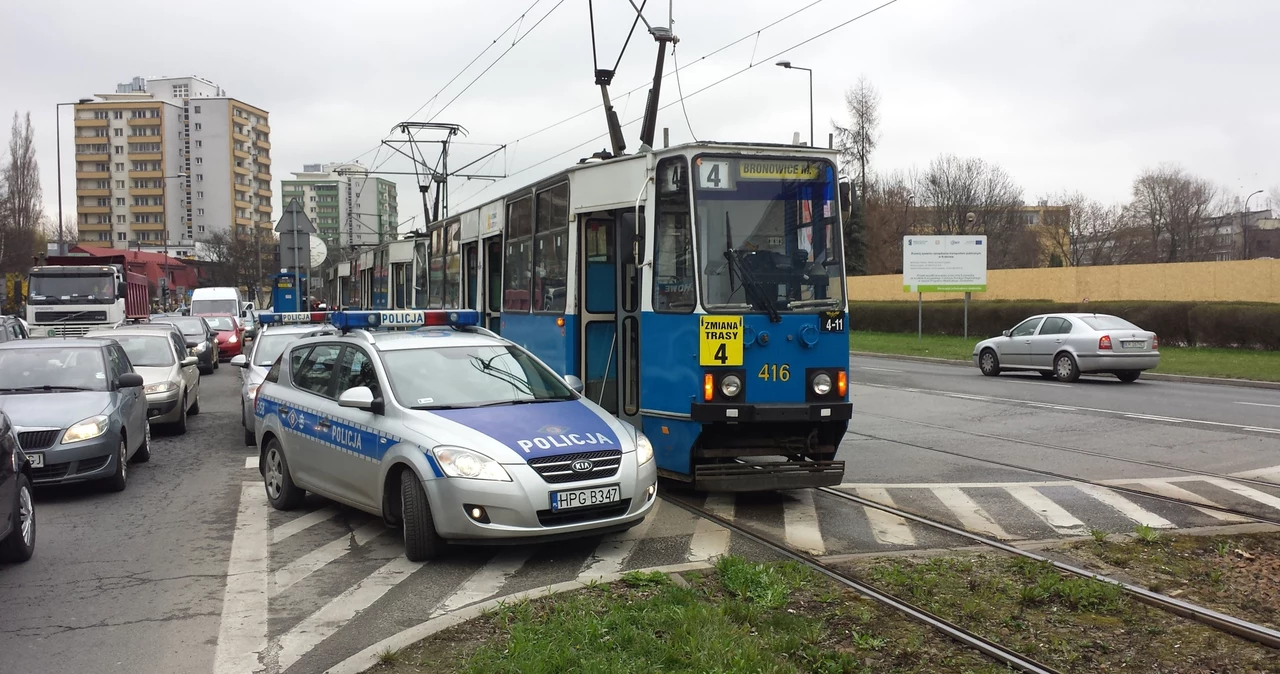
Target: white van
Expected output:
[206,301]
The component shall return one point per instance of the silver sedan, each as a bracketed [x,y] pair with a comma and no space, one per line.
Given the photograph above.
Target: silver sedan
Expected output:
[1065,346]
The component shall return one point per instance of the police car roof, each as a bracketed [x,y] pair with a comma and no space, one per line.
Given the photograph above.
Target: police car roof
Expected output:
[432,338]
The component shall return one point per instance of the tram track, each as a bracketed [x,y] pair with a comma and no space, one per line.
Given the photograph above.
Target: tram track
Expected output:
[957,633]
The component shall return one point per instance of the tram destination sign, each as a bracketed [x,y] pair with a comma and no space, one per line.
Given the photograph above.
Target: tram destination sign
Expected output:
[941,264]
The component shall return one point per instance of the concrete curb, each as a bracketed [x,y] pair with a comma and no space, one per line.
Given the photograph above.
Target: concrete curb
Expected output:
[1152,376]
[367,658]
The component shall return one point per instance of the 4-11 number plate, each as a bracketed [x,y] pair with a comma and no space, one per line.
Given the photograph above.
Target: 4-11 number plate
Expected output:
[831,321]
[582,498]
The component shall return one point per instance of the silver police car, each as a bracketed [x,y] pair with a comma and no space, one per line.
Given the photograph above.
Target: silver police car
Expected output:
[275,333]
[447,430]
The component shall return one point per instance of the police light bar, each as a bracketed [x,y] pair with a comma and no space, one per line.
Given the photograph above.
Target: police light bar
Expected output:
[293,317]
[348,320]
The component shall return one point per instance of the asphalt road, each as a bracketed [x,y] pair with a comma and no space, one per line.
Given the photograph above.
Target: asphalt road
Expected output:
[189,570]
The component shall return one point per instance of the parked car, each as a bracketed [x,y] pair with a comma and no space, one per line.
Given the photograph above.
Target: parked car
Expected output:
[17,510]
[230,335]
[171,382]
[1065,346]
[11,328]
[201,339]
[77,407]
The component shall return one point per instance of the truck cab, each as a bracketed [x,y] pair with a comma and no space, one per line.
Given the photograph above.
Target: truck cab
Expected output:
[72,297]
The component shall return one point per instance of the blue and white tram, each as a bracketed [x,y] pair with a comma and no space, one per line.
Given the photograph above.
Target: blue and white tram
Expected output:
[698,291]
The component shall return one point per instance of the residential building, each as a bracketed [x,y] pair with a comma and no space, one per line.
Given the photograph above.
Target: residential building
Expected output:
[347,205]
[169,161]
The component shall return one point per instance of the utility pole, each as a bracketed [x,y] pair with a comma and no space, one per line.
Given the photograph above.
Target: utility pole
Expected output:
[1244,223]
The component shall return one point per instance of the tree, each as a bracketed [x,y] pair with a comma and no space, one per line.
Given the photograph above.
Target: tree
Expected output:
[230,260]
[20,197]
[49,231]
[1172,206]
[887,220]
[856,144]
[1087,232]
[952,187]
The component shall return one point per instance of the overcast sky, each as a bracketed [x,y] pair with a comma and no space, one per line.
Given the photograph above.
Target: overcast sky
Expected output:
[1065,95]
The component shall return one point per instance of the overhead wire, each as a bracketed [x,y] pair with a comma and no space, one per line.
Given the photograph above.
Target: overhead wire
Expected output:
[718,82]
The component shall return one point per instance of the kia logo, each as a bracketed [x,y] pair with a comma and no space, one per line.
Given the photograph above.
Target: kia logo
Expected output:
[582,466]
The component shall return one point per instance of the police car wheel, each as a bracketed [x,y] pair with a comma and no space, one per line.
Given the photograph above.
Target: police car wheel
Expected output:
[282,493]
[421,542]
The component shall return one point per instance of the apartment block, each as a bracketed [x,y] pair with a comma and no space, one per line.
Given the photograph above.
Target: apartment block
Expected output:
[168,162]
[346,204]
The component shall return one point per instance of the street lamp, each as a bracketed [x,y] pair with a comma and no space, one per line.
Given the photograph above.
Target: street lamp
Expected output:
[1244,223]
[58,149]
[788,66]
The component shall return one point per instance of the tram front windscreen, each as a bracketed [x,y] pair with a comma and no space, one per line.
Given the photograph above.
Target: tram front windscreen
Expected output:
[769,234]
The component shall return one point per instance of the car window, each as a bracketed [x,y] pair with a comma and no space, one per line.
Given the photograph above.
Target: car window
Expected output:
[273,375]
[147,350]
[221,323]
[269,347]
[1025,328]
[1108,323]
[116,363]
[357,370]
[180,346]
[73,366]
[1053,326]
[315,374]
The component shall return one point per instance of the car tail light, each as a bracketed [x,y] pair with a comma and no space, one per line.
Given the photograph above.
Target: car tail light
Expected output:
[842,383]
[708,387]
[1155,341]
[1104,343]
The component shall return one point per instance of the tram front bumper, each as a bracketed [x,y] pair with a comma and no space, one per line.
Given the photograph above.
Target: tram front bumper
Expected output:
[837,410]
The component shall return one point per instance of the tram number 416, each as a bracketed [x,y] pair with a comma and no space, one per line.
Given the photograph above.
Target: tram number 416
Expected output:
[774,372]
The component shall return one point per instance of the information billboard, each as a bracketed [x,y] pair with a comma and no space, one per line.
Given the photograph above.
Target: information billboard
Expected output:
[944,264]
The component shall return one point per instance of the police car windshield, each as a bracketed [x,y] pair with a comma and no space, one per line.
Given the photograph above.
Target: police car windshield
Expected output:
[270,347]
[470,376]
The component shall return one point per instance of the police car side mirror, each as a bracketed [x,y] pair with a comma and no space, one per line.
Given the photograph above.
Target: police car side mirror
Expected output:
[239,361]
[574,383]
[358,397]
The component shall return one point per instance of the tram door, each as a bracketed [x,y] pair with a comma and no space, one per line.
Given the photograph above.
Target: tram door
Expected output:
[470,274]
[493,283]
[610,312]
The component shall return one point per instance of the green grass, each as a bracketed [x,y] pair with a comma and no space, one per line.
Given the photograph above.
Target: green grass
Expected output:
[1199,362]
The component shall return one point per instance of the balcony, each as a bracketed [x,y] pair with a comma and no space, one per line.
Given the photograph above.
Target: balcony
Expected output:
[91,175]
[145,156]
[86,156]
[267,193]
[93,192]
[262,144]
[94,226]
[242,204]
[146,192]
[146,174]
[147,227]
[93,209]
[244,221]
[261,175]
[241,154]
[262,128]
[240,170]
[264,208]
[146,209]
[239,136]
[93,140]
[144,121]
[90,123]
[264,160]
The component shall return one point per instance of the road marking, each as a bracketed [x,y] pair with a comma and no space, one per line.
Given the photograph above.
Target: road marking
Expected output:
[887,528]
[710,540]
[1247,492]
[251,461]
[1262,430]
[1053,514]
[1164,488]
[800,523]
[877,369]
[316,559]
[1036,383]
[298,524]
[318,626]
[1149,417]
[1126,507]
[1258,404]
[1271,474]
[970,514]
[613,551]
[969,397]
[242,634]
[487,581]
[1049,406]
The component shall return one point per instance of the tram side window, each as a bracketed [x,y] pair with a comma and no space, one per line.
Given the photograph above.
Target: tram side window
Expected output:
[436,282]
[420,275]
[518,256]
[452,270]
[673,265]
[551,250]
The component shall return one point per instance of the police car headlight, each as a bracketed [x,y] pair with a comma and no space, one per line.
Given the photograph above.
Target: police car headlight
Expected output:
[644,449]
[459,462]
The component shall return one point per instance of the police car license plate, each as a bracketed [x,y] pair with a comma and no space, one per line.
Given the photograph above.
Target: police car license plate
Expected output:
[581,498]
[37,460]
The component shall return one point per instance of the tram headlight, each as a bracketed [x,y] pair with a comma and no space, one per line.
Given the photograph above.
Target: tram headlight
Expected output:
[822,383]
[730,385]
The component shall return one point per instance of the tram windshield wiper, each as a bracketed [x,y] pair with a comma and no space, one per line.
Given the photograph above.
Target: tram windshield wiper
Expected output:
[752,287]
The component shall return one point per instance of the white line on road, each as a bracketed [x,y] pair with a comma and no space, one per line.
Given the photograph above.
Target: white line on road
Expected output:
[800,523]
[1149,417]
[1053,514]
[1126,507]
[242,634]
[710,540]
[887,528]
[1247,492]
[318,626]
[970,514]
[1036,383]
[316,559]
[1270,474]
[302,523]
[877,369]
[1262,430]
[613,551]
[1164,488]
[487,581]
[251,461]
[1258,404]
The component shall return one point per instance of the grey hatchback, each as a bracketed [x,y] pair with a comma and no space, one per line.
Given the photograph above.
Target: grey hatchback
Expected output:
[1064,346]
[78,409]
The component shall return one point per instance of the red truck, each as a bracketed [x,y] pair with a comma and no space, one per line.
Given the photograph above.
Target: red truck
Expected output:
[71,295]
